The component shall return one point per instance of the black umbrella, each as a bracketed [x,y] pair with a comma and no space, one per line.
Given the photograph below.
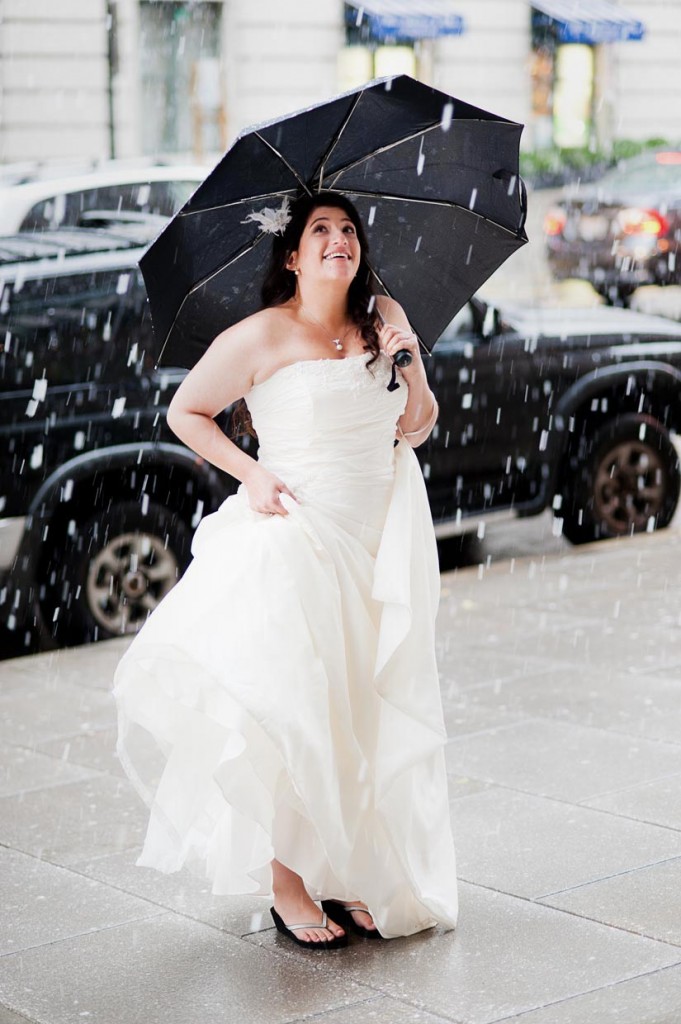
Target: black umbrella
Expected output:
[435,181]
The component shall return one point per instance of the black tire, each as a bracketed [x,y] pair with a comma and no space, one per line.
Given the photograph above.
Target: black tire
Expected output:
[627,483]
[106,576]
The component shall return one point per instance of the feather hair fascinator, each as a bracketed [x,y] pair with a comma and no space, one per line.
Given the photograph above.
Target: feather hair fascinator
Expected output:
[269,220]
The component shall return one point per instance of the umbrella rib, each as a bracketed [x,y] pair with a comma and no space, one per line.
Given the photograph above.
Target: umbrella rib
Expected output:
[390,296]
[236,202]
[284,161]
[430,202]
[336,140]
[383,149]
[202,282]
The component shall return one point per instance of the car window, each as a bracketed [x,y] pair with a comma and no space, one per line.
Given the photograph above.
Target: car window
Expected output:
[662,170]
[462,323]
[163,198]
[73,328]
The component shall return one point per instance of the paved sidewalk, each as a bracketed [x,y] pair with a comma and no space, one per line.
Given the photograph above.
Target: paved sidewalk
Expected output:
[562,692]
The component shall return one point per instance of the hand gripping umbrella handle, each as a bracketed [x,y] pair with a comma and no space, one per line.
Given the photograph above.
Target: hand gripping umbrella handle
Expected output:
[401,359]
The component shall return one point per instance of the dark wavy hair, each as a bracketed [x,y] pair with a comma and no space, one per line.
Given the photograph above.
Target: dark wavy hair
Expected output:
[279,284]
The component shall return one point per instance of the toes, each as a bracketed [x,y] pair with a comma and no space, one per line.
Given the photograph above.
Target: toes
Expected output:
[365,921]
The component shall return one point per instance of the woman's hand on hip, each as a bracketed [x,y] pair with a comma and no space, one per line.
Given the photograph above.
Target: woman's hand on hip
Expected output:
[264,492]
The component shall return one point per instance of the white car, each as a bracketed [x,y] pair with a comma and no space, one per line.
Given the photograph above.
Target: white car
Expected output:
[93,198]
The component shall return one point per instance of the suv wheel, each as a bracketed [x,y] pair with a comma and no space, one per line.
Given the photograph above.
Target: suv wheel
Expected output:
[123,566]
[629,482]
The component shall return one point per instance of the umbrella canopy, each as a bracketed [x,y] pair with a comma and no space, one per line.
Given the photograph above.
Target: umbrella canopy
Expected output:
[435,181]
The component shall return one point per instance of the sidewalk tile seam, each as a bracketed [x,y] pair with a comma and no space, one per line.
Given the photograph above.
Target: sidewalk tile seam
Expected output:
[226,936]
[582,800]
[639,783]
[599,988]
[19,1013]
[617,928]
[494,784]
[522,719]
[172,911]
[629,817]
[537,902]
[436,1017]
[541,900]
[311,1017]
[584,916]
[543,720]
[492,728]
[377,993]
[79,935]
[89,773]
[53,737]
[67,865]
[605,878]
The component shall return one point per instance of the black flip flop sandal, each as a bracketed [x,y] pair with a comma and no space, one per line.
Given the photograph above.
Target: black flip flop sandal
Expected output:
[342,915]
[288,930]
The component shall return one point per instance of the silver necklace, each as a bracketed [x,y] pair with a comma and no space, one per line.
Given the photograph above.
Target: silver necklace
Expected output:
[338,342]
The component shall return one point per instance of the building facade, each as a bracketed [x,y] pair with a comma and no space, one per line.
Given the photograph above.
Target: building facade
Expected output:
[88,79]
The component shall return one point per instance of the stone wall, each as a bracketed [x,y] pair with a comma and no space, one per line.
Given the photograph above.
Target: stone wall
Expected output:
[647,79]
[281,56]
[53,79]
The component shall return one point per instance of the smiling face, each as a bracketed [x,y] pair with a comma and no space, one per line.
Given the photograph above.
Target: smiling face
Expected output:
[329,249]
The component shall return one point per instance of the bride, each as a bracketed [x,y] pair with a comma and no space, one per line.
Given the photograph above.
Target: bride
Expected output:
[280,710]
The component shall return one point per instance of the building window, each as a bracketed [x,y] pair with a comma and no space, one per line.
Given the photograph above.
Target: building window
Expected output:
[182,95]
[573,95]
[366,56]
[563,89]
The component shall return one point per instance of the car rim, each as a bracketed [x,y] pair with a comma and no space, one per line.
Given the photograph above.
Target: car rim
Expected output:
[127,579]
[630,487]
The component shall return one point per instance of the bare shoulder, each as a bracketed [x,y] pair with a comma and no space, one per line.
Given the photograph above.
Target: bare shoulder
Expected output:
[234,361]
[251,343]
[248,334]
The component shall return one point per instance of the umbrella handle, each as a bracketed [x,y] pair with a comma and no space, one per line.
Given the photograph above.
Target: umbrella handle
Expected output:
[403,357]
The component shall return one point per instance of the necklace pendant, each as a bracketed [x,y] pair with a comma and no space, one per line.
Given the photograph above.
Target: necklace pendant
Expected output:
[338,343]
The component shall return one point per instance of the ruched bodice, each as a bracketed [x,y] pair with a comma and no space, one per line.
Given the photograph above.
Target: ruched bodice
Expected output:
[289,679]
[326,427]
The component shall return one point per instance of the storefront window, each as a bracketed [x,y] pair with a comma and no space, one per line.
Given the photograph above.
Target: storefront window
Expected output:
[563,87]
[366,56]
[573,96]
[541,71]
[180,77]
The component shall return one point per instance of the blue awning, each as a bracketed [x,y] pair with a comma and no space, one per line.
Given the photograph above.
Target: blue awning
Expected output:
[406,19]
[589,21]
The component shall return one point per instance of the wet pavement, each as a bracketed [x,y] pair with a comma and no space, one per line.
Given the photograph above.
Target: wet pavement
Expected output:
[561,677]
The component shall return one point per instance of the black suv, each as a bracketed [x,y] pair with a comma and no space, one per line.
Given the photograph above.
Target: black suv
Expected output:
[570,409]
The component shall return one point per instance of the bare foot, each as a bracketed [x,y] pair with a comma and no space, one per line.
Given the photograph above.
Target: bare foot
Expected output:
[294,906]
[361,917]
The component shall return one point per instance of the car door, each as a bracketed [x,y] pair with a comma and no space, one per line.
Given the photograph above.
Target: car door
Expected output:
[481,456]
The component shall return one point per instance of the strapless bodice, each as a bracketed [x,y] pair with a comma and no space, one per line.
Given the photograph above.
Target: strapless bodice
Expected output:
[326,427]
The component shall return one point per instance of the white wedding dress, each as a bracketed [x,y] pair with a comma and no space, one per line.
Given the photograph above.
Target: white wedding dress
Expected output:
[284,696]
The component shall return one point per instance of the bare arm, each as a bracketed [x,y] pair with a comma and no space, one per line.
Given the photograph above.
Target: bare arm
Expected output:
[224,374]
[421,412]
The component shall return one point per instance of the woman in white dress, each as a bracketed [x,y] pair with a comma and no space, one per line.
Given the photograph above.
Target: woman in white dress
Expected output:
[280,710]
